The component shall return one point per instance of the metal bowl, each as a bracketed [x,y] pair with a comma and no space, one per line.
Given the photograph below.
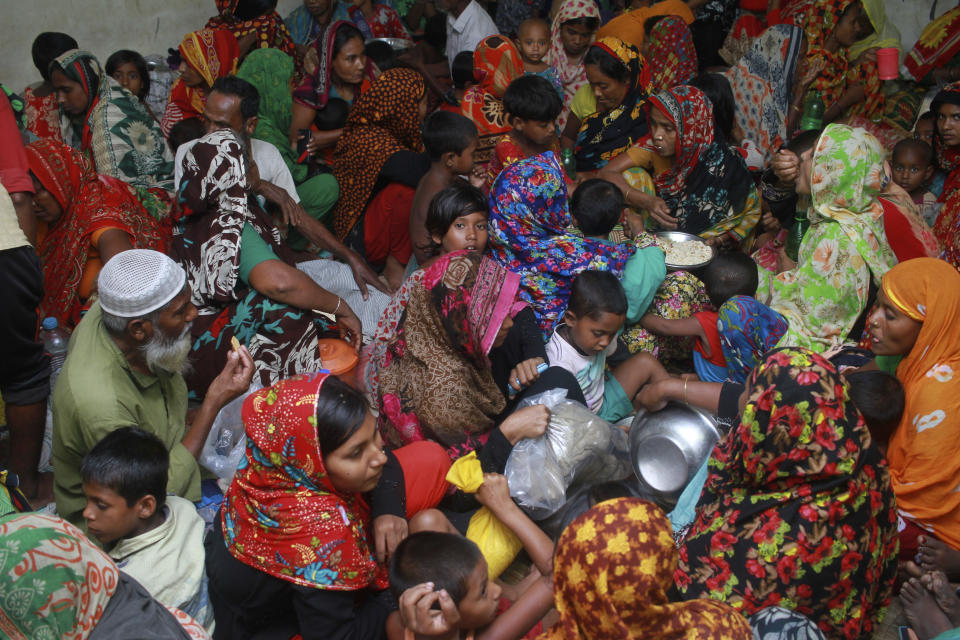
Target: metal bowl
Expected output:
[668,446]
[680,236]
[398,44]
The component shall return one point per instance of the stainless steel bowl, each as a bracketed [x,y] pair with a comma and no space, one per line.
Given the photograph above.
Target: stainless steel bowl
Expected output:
[668,446]
[680,236]
[398,44]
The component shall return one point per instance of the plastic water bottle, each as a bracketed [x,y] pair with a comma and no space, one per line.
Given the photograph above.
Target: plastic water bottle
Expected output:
[813,110]
[55,342]
[569,163]
[795,235]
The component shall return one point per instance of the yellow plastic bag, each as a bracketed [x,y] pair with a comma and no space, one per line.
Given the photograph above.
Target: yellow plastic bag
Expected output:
[498,544]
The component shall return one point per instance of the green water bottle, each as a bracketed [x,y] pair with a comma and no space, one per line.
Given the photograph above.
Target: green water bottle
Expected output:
[569,163]
[813,110]
[795,235]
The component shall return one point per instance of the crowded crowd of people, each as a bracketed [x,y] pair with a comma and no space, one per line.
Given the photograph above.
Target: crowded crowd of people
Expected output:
[375,234]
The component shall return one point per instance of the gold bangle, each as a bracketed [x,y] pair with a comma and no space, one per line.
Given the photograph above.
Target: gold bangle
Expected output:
[685,390]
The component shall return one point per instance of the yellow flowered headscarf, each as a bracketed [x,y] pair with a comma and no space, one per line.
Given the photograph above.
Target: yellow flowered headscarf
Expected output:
[213,54]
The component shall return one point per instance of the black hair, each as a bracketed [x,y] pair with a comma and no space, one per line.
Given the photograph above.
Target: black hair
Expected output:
[596,292]
[381,53]
[610,66]
[596,205]
[126,56]
[447,132]
[333,115]
[730,274]
[718,91]
[650,23]
[184,131]
[341,410]
[47,47]
[459,199]
[592,24]
[345,33]
[250,9]
[435,31]
[912,144]
[131,462]
[926,115]
[532,98]
[461,71]
[803,141]
[445,559]
[248,94]
[880,398]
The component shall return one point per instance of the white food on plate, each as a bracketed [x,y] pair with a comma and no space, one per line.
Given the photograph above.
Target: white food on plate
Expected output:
[685,252]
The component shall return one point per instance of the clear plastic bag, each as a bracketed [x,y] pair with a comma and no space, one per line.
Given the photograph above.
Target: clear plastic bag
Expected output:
[577,446]
[227,440]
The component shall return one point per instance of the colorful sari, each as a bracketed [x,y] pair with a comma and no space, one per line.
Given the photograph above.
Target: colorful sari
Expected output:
[571,72]
[819,23]
[613,569]
[947,225]
[43,115]
[938,44]
[385,23]
[844,248]
[119,133]
[314,90]
[383,121]
[314,536]
[923,451]
[604,136]
[269,28]
[214,209]
[671,45]
[212,54]
[797,510]
[496,63]
[437,383]
[708,188]
[748,329]
[762,83]
[303,28]
[529,234]
[90,203]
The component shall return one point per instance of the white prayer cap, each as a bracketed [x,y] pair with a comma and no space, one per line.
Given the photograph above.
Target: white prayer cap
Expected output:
[135,282]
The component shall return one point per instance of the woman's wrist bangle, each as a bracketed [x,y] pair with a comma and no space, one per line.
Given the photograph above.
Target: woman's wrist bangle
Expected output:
[685,391]
[339,302]
[798,109]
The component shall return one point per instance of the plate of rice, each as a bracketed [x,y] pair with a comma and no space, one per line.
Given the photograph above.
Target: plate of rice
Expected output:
[684,250]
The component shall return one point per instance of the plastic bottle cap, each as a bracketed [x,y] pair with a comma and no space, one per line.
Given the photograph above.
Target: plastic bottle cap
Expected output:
[49,324]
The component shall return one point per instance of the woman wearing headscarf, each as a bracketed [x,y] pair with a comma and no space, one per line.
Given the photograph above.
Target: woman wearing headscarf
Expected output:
[571,32]
[797,510]
[933,52]
[496,63]
[613,570]
[748,330]
[831,28]
[917,318]
[240,274]
[946,105]
[57,584]
[620,79]
[377,164]
[110,124]
[204,56]
[671,45]
[845,247]
[437,383]
[863,71]
[256,18]
[376,20]
[89,218]
[40,98]
[316,564]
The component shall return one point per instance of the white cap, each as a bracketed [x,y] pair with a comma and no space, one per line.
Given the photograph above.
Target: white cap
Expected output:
[135,282]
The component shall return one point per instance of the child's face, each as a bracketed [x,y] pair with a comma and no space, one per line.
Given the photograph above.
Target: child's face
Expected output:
[538,132]
[924,131]
[910,170]
[533,41]
[575,39]
[108,516]
[462,164]
[129,78]
[467,232]
[479,607]
[593,333]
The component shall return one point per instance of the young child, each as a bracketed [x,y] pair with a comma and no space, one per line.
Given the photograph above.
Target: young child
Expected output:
[531,107]
[879,397]
[913,167]
[925,127]
[451,140]
[446,569]
[457,220]
[533,43]
[185,131]
[155,538]
[587,335]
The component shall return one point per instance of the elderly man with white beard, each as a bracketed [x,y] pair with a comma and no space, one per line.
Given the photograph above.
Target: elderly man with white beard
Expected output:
[125,369]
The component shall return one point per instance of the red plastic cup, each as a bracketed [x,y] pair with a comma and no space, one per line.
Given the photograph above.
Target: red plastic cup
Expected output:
[888,63]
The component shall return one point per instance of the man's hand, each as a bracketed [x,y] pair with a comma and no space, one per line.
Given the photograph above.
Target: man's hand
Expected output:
[388,532]
[292,211]
[235,378]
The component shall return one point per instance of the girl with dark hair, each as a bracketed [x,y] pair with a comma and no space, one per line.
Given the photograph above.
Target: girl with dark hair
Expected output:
[130,70]
[315,510]
[40,99]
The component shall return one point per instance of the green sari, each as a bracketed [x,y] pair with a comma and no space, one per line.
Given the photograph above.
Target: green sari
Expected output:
[844,248]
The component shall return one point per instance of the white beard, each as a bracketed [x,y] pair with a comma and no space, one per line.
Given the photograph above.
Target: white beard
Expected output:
[170,355]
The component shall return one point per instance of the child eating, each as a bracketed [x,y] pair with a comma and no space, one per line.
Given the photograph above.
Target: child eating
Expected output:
[155,538]
[533,43]
[913,167]
[451,140]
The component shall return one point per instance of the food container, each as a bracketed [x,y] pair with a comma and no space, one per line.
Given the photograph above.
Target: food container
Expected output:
[888,63]
[667,448]
[398,44]
[339,358]
[680,237]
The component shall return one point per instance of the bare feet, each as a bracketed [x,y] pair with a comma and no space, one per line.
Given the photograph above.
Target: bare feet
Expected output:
[923,614]
[937,584]
[934,555]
